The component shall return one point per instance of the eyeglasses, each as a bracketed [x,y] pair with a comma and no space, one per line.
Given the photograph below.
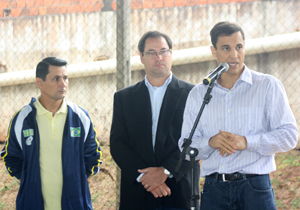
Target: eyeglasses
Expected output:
[154,54]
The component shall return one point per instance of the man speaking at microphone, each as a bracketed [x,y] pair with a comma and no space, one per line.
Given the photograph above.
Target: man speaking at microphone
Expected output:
[247,121]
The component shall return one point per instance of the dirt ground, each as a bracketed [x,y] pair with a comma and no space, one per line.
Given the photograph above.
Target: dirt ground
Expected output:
[104,191]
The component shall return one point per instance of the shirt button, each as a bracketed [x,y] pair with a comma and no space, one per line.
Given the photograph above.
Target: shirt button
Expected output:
[228,110]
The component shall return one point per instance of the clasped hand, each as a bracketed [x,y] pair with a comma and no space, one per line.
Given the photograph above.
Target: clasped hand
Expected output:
[153,181]
[227,143]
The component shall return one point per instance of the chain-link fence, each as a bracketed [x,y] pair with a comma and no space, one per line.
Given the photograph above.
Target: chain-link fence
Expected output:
[100,43]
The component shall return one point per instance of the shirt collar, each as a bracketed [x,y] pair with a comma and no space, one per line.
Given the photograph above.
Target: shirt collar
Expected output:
[40,110]
[245,76]
[167,82]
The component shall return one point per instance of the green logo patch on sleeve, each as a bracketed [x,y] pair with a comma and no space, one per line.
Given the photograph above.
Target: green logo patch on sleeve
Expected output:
[28,132]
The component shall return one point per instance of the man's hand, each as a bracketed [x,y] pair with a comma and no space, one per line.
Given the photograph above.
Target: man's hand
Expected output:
[241,144]
[153,177]
[225,142]
[161,190]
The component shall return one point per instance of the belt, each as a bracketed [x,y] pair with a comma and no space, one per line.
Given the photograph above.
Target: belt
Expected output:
[231,177]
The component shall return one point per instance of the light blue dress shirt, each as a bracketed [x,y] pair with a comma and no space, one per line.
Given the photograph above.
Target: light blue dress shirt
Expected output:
[156,97]
[255,107]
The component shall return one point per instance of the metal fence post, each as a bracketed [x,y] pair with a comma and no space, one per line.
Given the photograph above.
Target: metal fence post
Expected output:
[123,74]
[123,44]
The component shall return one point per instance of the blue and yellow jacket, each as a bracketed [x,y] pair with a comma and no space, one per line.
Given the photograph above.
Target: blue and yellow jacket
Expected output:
[81,157]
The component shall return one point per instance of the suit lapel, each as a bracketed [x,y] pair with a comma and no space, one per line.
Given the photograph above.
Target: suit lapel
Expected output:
[170,102]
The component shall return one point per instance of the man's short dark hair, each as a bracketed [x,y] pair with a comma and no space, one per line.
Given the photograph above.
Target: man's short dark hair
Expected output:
[42,68]
[153,34]
[224,29]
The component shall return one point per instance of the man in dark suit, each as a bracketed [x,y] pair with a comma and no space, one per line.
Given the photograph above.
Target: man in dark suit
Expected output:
[146,127]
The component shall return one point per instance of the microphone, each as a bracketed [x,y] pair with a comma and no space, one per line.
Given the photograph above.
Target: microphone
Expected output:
[215,74]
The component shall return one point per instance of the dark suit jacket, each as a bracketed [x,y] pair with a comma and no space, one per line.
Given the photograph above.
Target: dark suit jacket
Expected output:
[131,145]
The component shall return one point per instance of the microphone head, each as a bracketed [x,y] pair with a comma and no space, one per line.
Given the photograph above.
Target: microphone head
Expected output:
[206,81]
[215,74]
[225,65]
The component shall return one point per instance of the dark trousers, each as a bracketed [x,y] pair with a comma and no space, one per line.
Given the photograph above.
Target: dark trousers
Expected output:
[253,193]
[168,208]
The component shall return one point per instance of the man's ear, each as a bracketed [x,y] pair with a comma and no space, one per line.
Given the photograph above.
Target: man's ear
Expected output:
[141,58]
[38,82]
[213,51]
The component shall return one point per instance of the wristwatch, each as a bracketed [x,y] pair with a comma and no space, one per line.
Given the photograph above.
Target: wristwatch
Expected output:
[166,171]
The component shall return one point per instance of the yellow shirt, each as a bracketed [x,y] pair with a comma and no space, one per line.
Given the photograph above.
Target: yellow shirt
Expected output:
[51,133]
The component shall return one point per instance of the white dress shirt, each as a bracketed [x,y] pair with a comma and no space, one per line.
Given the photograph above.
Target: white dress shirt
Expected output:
[255,107]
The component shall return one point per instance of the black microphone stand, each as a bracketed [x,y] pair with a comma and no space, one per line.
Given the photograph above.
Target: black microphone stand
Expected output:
[193,152]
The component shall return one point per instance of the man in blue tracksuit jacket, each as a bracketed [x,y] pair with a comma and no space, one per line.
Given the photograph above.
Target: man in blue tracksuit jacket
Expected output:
[80,150]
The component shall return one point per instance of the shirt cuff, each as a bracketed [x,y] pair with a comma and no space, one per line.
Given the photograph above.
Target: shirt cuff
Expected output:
[253,143]
[139,177]
[205,150]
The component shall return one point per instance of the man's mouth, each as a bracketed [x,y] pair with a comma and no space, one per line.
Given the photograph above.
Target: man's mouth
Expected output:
[233,63]
[159,64]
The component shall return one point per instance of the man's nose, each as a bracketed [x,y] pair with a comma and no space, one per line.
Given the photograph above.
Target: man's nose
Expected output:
[64,82]
[234,53]
[158,56]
